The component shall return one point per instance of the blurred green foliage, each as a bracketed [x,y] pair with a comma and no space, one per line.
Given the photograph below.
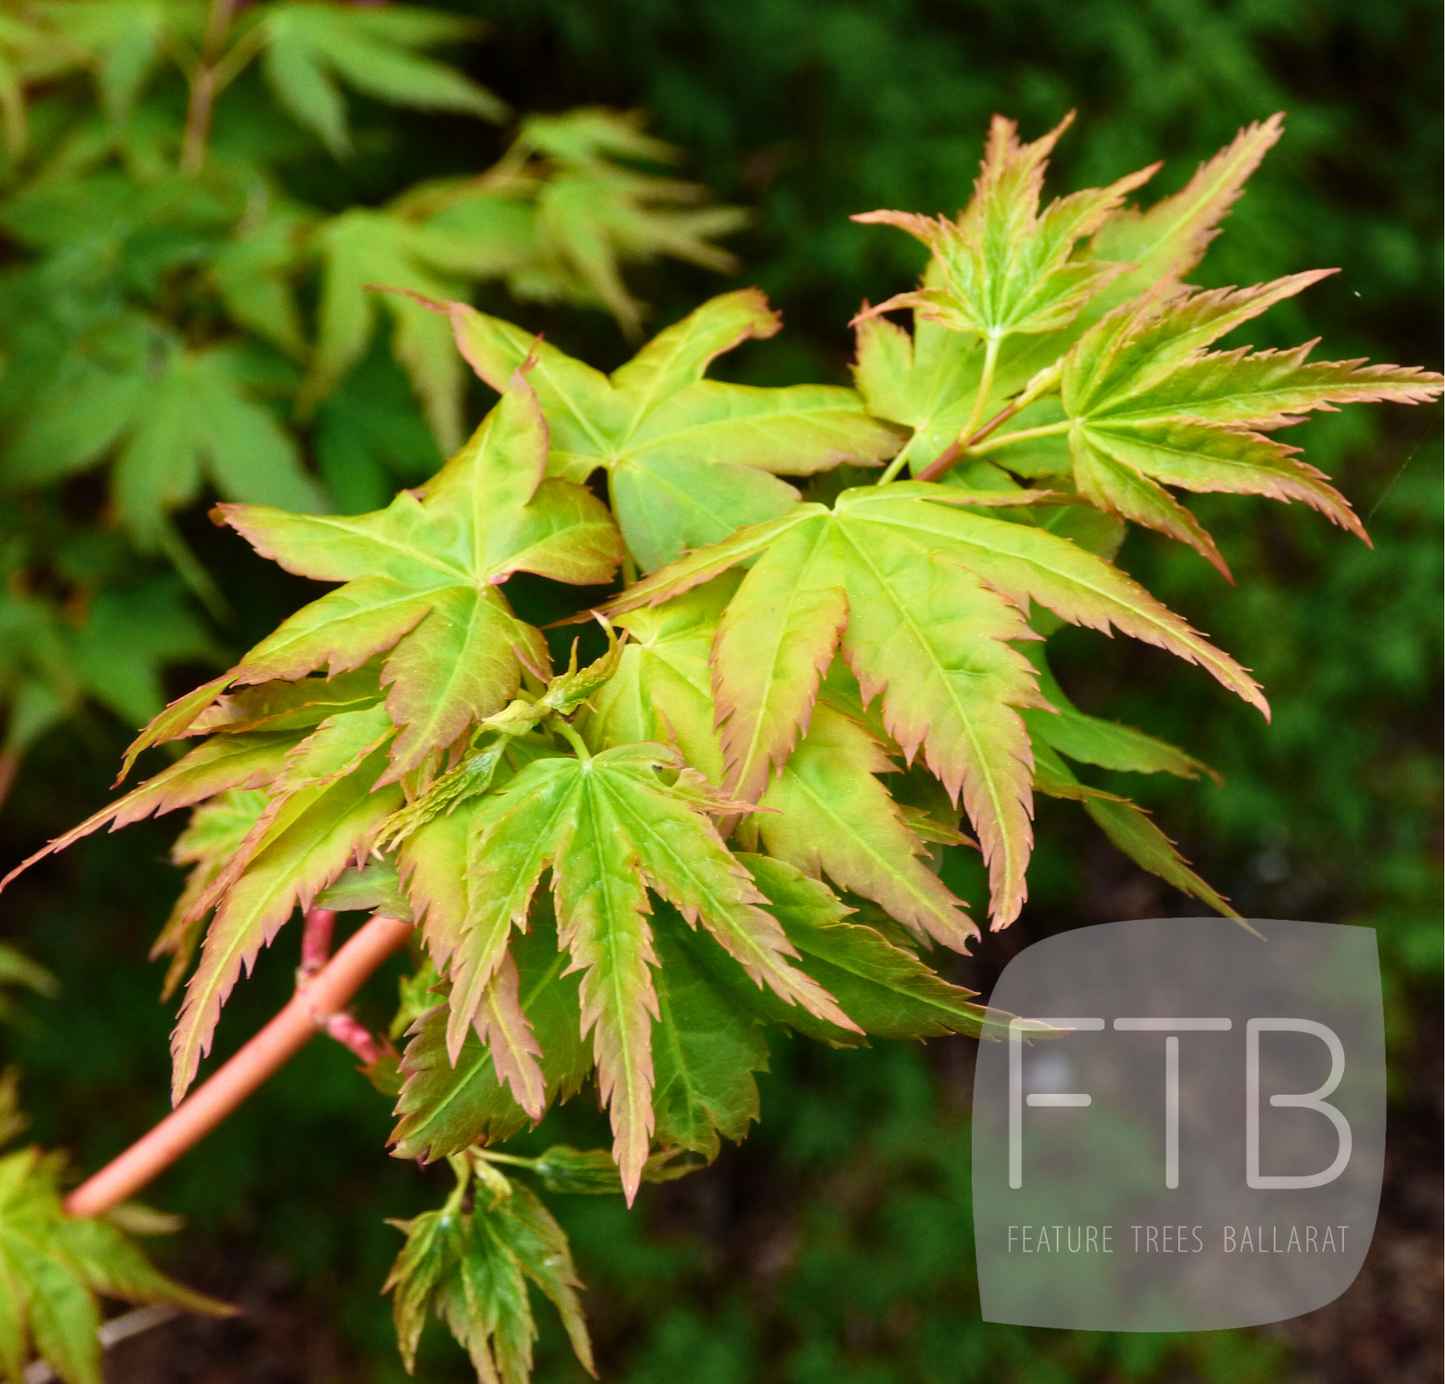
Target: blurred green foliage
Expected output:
[833,1246]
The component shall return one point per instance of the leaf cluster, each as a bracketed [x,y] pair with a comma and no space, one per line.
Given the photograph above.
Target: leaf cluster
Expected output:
[739,815]
[53,1267]
[176,315]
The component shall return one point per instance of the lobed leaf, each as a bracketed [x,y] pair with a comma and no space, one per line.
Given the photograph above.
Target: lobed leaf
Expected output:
[688,459]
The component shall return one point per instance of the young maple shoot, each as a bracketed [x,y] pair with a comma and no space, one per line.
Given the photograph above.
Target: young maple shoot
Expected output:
[731,819]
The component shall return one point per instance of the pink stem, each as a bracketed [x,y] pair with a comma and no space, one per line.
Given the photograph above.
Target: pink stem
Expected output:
[316,940]
[351,1033]
[315,1002]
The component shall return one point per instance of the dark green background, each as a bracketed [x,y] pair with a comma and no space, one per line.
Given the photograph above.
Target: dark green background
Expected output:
[834,1245]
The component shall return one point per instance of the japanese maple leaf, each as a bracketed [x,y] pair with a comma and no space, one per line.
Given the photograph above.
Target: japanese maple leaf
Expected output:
[1149,405]
[1005,267]
[423,579]
[688,460]
[930,382]
[609,828]
[925,598]
[470,1264]
[827,813]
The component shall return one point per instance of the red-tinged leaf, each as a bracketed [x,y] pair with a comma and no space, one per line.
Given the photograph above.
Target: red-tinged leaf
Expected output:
[1003,267]
[312,838]
[444,1108]
[464,664]
[505,1032]
[1203,457]
[934,642]
[432,868]
[1105,479]
[601,920]
[662,689]
[514,837]
[423,576]
[703,564]
[828,814]
[1139,345]
[233,761]
[684,859]
[1169,239]
[174,721]
[680,355]
[783,629]
[1269,389]
[287,706]
[335,748]
[1025,562]
[340,632]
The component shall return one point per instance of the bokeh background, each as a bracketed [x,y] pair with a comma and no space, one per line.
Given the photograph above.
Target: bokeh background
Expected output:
[834,1246]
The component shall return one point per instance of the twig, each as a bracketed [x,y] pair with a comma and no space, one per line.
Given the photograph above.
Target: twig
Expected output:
[315,1002]
[316,942]
[205,87]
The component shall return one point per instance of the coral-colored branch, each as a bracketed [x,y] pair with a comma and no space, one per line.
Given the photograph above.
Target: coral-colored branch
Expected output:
[316,941]
[316,1002]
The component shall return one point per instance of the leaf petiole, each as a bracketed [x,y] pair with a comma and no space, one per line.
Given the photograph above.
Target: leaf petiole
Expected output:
[967,444]
[1023,435]
[566,730]
[985,383]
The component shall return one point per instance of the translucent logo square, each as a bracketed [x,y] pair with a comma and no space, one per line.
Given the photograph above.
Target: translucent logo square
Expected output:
[1183,1128]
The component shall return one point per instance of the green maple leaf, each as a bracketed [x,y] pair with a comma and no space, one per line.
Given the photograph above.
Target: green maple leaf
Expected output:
[309,46]
[826,813]
[662,689]
[921,595]
[610,829]
[930,381]
[704,1048]
[592,212]
[1148,405]
[1005,267]
[196,420]
[446,1106]
[124,39]
[423,580]
[470,1264]
[327,792]
[322,810]
[53,1265]
[1109,744]
[1127,826]
[362,249]
[883,987]
[252,275]
[688,459]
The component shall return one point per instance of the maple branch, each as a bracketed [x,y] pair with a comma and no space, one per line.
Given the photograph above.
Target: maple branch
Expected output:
[316,941]
[205,87]
[316,1002]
